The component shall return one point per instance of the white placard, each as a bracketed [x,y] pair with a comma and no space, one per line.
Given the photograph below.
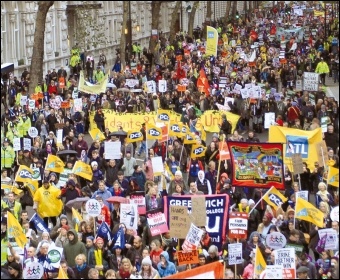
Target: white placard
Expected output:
[273,272]
[244,93]
[151,86]
[302,194]
[269,119]
[112,150]
[93,207]
[162,86]
[276,240]
[60,136]
[77,104]
[16,144]
[33,132]
[237,87]
[33,270]
[27,144]
[132,82]
[157,165]
[310,81]
[54,254]
[298,84]
[335,214]
[324,123]
[23,100]
[235,253]
[332,241]
[129,215]
[75,93]
[222,108]
[31,104]
[193,238]
[286,258]
[227,100]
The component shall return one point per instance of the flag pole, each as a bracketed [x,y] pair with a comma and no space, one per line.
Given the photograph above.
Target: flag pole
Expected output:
[146,141]
[257,203]
[254,277]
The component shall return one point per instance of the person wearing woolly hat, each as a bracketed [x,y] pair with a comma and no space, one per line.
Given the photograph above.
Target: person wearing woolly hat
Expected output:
[147,271]
[263,228]
[177,180]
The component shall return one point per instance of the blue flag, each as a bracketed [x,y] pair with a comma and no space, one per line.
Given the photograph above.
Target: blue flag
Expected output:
[119,239]
[39,223]
[104,232]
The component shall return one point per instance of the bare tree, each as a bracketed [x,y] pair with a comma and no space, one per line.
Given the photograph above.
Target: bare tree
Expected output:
[227,11]
[234,8]
[155,11]
[174,18]
[36,70]
[192,19]
[209,11]
[123,36]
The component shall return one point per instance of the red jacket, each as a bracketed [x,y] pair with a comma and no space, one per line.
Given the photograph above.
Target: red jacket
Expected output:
[52,89]
[293,113]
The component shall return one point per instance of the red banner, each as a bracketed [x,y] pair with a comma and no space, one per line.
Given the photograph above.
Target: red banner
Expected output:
[257,165]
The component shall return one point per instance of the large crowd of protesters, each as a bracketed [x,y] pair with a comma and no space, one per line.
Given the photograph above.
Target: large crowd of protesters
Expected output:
[87,256]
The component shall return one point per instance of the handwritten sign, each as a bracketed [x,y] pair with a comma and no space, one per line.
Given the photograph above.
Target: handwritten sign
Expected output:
[297,164]
[273,272]
[190,257]
[162,86]
[16,144]
[193,238]
[310,81]
[269,119]
[179,221]
[27,144]
[235,253]
[286,258]
[199,211]
[77,104]
[157,223]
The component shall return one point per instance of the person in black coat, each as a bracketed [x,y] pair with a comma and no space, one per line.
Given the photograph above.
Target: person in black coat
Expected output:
[99,119]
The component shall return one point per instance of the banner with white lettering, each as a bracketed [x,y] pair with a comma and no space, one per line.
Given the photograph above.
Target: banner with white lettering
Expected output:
[286,258]
[238,224]
[138,198]
[193,238]
[157,222]
[235,253]
[217,212]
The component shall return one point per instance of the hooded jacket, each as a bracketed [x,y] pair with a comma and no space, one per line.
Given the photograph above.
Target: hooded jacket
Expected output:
[203,184]
[73,248]
[168,269]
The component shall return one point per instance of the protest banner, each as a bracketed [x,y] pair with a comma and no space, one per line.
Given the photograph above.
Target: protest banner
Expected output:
[335,214]
[16,144]
[85,87]
[235,253]
[311,81]
[273,272]
[297,164]
[199,211]
[33,270]
[322,152]
[302,141]
[157,223]
[54,254]
[302,194]
[209,120]
[93,207]
[274,198]
[217,210]
[112,150]
[27,144]
[269,120]
[286,257]
[157,166]
[178,221]
[129,215]
[138,198]
[257,165]
[276,240]
[162,86]
[238,224]
[187,257]
[332,240]
[298,248]
[224,150]
[193,238]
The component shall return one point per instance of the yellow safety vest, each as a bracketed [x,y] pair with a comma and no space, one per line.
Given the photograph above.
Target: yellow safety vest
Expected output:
[240,208]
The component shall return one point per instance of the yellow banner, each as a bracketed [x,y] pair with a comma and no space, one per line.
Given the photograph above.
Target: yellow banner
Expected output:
[175,129]
[333,176]
[92,89]
[134,136]
[11,188]
[55,164]
[153,132]
[299,142]
[96,134]
[274,198]
[319,13]
[209,120]
[308,212]
[83,170]
[212,41]
[15,230]
[24,174]
[198,151]
[163,115]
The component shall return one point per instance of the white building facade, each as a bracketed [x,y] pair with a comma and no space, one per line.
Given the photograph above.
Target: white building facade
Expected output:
[18,27]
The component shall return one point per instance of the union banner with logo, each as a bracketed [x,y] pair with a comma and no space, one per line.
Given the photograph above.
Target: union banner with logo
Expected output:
[83,170]
[258,165]
[296,141]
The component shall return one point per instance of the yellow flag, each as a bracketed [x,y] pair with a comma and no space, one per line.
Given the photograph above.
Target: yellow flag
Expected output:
[163,115]
[15,230]
[203,135]
[87,87]
[333,176]
[198,151]
[62,274]
[274,198]
[153,132]
[11,188]
[212,41]
[185,130]
[134,136]
[175,129]
[77,218]
[32,186]
[308,212]
[260,263]
[83,170]
[24,174]
[190,139]
[96,134]
[55,164]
